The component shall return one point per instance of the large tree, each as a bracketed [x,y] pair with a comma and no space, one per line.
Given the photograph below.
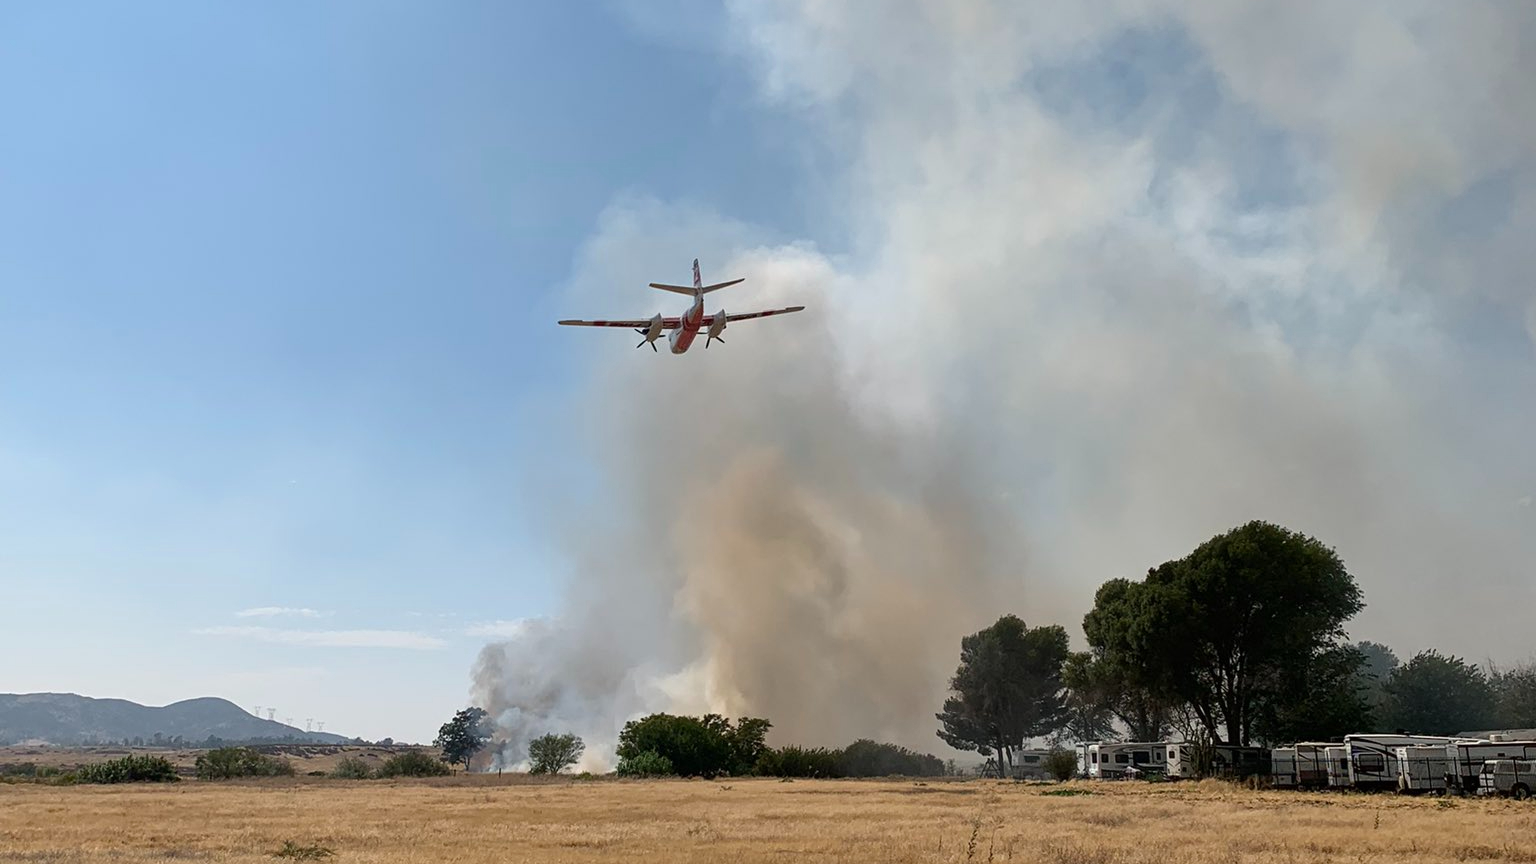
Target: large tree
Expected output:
[1099,693]
[1515,690]
[1434,694]
[1220,630]
[1007,689]
[1322,700]
[462,737]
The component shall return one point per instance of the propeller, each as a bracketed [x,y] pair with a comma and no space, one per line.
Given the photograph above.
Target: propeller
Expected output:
[647,338]
[708,339]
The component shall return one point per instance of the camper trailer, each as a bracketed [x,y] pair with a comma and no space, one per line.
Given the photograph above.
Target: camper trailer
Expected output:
[1312,765]
[1227,760]
[1423,768]
[1081,750]
[1030,764]
[1372,759]
[1112,761]
[1467,758]
[1336,756]
[1282,768]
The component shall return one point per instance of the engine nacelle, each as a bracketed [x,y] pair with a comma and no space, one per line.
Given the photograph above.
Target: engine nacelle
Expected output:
[653,330]
[717,324]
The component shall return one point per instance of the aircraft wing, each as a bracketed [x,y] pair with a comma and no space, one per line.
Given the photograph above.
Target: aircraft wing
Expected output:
[638,324]
[764,314]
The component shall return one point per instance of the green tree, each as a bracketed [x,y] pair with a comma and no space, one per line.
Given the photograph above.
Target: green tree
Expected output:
[551,753]
[1434,694]
[1322,700]
[695,747]
[1515,691]
[1218,630]
[1090,712]
[462,737]
[351,768]
[1008,688]
[746,743]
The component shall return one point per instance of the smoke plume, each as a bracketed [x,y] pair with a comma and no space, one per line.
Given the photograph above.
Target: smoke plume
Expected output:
[1121,278]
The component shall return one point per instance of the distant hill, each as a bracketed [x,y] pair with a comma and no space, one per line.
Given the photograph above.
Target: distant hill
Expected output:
[65,718]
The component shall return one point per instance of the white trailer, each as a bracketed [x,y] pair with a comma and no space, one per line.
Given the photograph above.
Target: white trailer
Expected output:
[1282,768]
[1467,758]
[1372,758]
[1337,757]
[1312,765]
[1227,760]
[1515,777]
[1081,750]
[1423,769]
[1110,761]
[1030,764]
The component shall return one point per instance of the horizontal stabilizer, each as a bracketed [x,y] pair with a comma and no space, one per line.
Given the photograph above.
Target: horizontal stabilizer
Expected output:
[718,285]
[675,289]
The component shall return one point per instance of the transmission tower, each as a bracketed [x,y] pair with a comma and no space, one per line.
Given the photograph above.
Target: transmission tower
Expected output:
[308,722]
[321,725]
[256,710]
[271,713]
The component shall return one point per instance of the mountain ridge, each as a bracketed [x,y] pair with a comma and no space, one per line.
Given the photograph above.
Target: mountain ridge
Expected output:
[69,718]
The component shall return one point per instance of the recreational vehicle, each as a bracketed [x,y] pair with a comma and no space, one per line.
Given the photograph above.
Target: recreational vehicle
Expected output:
[1312,765]
[1030,764]
[1423,768]
[1514,777]
[1107,761]
[1282,768]
[1467,759]
[1227,760]
[1373,758]
[1336,757]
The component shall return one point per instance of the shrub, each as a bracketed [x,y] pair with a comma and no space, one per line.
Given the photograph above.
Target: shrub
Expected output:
[1061,764]
[414,764]
[551,754]
[795,761]
[225,763]
[647,763]
[303,853]
[693,747]
[352,768]
[129,769]
[866,758]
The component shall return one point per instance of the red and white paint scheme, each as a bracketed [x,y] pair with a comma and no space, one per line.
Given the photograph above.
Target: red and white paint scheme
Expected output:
[686,328]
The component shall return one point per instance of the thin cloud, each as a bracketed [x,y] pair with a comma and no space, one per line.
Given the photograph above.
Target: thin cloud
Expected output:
[330,638]
[513,629]
[279,611]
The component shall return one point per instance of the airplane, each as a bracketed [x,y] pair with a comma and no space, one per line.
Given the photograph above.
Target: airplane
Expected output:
[686,328]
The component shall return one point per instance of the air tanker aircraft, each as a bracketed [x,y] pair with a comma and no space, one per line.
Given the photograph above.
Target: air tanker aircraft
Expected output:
[687,327]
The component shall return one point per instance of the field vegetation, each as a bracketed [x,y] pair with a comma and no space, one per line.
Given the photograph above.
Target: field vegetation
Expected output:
[484,818]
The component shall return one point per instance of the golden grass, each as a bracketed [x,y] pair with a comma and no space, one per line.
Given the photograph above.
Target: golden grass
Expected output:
[488,819]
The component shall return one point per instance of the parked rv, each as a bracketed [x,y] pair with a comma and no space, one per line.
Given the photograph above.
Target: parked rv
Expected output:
[1309,764]
[1423,768]
[1337,756]
[1110,761]
[1282,768]
[1030,764]
[1468,758]
[1372,758]
[1514,777]
[1227,760]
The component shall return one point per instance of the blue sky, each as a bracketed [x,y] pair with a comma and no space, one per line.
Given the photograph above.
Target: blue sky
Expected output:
[277,284]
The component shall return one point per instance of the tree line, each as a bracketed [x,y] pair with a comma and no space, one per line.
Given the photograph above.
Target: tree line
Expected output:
[1241,641]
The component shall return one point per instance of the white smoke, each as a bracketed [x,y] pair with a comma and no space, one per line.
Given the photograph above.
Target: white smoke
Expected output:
[1125,276]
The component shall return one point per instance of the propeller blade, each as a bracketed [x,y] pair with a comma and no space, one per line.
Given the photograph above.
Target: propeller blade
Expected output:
[653,346]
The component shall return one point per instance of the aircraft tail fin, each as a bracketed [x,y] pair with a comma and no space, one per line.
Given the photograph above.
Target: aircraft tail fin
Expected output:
[698,282]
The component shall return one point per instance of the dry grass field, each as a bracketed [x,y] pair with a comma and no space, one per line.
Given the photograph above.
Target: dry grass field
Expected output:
[305,758]
[489,819]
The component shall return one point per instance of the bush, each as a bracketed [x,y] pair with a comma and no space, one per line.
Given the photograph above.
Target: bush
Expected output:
[551,754]
[129,769]
[1061,764]
[352,768]
[647,763]
[795,761]
[866,758]
[414,764]
[225,763]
